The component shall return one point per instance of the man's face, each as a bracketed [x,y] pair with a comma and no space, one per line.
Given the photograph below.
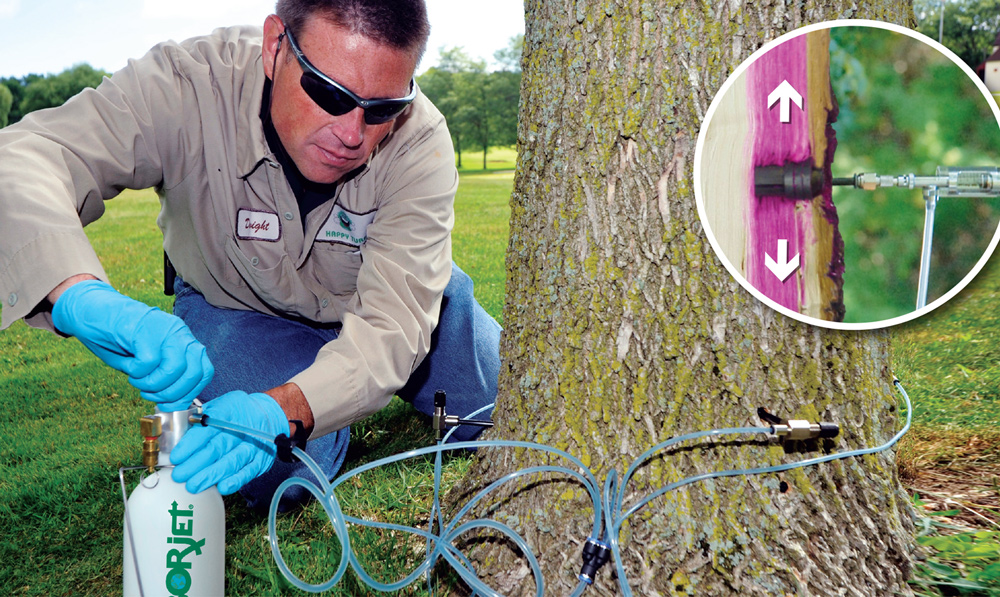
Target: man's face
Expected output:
[326,147]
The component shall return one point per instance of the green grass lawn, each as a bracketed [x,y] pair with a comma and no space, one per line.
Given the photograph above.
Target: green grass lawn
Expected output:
[497,158]
[951,358]
[67,423]
[482,213]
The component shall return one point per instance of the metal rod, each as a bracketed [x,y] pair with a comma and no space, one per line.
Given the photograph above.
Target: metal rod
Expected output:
[941,25]
[128,524]
[475,422]
[930,202]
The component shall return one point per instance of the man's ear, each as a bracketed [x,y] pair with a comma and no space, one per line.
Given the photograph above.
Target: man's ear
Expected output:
[274,34]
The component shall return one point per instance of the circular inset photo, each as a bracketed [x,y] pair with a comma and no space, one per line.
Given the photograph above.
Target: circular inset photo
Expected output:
[848,174]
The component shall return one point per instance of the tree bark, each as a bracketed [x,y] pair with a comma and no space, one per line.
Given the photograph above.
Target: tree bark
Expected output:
[623,329]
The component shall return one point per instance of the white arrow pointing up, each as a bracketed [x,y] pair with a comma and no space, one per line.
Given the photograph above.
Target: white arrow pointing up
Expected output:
[782,268]
[786,94]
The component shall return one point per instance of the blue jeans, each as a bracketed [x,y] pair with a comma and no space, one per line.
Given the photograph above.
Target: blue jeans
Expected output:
[464,360]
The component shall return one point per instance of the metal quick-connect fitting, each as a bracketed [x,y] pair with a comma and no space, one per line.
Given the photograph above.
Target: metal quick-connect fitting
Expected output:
[798,429]
[151,427]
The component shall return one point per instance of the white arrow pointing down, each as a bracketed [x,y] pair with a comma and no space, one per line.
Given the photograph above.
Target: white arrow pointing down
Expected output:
[782,268]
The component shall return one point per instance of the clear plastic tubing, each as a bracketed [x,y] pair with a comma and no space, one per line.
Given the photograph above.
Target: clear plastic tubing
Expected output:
[607,502]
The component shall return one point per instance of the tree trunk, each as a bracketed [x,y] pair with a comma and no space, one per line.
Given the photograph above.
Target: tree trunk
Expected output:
[485,115]
[623,329]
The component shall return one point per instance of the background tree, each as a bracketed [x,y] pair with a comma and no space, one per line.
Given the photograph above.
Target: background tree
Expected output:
[623,329]
[970,26]
[457,60]
[472,117]
[452,86]
[503,92]
[437,84]
[54,90]
[16,87]
[35,92]
[480,106]
[6,101]
[509,58]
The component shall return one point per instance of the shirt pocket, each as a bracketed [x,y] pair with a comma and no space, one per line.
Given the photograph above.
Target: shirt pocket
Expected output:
[272,276]
[336,267]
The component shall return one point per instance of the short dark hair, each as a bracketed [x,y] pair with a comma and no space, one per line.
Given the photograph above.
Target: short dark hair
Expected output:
[401,24]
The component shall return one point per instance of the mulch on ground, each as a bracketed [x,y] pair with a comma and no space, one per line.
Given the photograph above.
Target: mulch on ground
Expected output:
[955,470]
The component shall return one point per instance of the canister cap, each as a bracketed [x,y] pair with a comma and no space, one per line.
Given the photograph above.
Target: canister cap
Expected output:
[150,426]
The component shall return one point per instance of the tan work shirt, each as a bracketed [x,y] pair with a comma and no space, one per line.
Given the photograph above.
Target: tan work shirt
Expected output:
[185,120]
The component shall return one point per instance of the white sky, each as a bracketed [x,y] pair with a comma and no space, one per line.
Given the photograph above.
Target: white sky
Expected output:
[48,36]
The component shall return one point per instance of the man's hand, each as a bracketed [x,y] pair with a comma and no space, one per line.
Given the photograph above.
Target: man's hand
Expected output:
[208,456]
[155,349]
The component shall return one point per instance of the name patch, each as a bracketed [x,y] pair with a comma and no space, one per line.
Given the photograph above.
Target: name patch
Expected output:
[345,227]
[257,225]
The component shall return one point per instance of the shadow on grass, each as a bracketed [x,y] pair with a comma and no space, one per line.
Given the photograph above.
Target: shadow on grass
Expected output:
[395,429]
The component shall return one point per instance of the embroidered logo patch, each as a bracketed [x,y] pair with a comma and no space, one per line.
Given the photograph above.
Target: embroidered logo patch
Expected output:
[257,225]
[345,227]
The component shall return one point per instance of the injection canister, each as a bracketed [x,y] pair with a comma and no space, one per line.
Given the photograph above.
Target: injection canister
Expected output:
[180,537]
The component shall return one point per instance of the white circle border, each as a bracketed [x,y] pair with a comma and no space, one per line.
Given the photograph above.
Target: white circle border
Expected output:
[699,200]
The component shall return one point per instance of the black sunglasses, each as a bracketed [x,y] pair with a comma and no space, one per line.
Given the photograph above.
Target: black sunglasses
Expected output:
[338,100]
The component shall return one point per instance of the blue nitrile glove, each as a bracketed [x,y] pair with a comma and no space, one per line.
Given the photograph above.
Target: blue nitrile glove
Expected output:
[208,456]
[155,349]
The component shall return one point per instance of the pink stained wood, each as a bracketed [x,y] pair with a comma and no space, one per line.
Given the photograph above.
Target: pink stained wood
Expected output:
[772,142]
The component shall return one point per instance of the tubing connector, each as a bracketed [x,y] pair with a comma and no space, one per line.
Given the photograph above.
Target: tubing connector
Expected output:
[284,444]
[797,429]
[800,429]
[151,428]
[595,554]
[442,421]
